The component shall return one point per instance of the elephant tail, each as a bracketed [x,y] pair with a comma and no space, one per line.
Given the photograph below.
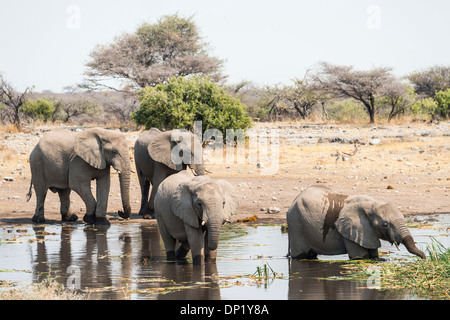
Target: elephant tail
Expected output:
[30,192]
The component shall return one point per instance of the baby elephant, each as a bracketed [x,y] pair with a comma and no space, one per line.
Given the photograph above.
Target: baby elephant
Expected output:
[323,222]
[192,209]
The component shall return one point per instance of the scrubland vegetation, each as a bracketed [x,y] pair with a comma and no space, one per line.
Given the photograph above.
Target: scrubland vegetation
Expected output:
[171,80]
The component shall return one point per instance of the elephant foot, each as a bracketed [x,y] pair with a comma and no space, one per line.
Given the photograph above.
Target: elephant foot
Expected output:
[99,221]
[148,216]
[197,260]
[102,221]
[170,255]
[89,218]
[123,215]
[38,219]
[147,213]
[71,218]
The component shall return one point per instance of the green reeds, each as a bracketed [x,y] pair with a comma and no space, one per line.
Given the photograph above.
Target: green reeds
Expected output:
[428,278]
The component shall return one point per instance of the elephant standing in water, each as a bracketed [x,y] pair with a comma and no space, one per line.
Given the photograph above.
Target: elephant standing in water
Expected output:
[160,154]
[64,160]
[192,209]
[323,222]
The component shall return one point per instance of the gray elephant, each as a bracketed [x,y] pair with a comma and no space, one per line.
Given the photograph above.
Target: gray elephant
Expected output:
[192,209]
[65,160]
[160,154]
[321,221]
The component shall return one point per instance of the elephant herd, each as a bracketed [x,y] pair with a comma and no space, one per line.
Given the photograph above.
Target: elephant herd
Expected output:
[190,208]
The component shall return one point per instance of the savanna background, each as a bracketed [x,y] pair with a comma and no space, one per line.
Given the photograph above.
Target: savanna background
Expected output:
[325,76]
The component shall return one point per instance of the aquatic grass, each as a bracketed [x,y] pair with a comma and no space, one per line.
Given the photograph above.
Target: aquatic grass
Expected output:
[428,278]
[47,289]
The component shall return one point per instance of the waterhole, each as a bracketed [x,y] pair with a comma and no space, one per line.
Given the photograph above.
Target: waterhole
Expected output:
[127,261]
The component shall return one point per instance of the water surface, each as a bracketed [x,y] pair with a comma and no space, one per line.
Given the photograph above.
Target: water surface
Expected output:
[127,261]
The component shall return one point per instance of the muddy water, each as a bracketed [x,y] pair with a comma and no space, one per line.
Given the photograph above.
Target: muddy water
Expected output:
[128,262]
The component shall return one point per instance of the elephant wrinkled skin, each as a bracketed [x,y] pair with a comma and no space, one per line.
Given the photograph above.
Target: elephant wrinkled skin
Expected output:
[64,160]
[192,209]
[155,153]
[321,221]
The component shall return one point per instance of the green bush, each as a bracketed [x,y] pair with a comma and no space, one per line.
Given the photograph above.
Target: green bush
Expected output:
[38,109]
[424,107]
[347,110]
[184,100]
[443,103]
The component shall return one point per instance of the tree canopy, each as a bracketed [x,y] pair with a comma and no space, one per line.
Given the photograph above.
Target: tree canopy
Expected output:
[151,55]
[184,100]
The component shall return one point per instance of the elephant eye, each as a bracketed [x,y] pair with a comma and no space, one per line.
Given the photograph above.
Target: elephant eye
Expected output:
[385,224]
[199,203]
[223,204]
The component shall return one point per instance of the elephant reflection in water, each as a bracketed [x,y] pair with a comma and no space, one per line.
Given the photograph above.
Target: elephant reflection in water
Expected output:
[307,280]
[115,261]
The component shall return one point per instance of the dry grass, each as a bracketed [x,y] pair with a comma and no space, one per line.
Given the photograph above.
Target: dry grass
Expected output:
[48,289]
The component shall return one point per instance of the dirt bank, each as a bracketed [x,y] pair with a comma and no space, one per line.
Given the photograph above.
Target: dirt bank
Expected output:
[409,165]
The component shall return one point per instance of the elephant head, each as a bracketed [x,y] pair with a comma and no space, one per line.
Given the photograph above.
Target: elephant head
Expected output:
[205,203]
[176,149]
[102,148]
[367,222]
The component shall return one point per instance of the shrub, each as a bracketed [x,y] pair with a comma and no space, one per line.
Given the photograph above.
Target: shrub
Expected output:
[443,103]
[424,107]
[347,111]
[38,109]
[184,100]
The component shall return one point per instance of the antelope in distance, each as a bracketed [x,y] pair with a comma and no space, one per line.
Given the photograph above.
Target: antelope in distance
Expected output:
[344,156]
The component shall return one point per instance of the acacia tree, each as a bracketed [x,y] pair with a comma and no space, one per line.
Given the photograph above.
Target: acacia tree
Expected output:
[304,95]
[398,97]
[151,55]
[344,82]
[429,81]
[12,101]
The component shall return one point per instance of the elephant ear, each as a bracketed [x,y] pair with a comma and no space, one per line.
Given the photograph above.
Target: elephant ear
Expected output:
[231,200]
[182,205]
[354,225]
[160,149]
[88,146]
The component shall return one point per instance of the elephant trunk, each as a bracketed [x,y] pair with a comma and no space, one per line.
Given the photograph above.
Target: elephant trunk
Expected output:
[407,239]
[199,169]
[213,227]
[124,179]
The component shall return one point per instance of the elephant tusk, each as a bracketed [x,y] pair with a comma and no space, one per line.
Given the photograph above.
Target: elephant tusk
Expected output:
[119,172]
[207,171]
[203,222]
[396,244]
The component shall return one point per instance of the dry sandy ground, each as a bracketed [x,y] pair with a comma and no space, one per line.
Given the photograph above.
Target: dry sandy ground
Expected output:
[406,164]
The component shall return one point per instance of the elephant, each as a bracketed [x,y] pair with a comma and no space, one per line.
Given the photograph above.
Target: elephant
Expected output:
[192,209]
[321,221]
[64,160]
[156,154]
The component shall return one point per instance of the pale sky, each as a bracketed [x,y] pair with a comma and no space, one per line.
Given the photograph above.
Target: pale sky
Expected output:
[46,43]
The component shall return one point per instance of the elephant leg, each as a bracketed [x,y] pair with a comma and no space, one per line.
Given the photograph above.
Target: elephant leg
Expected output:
[169,241]
[103,187]
[355,251]
[84,191]
[41,193]
[196,242]
[182,251]
[64,197]
[145,190]
[158,177]
[298,246]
